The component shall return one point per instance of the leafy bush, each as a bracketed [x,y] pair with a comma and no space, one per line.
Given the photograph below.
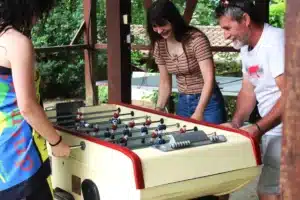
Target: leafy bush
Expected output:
[277,12]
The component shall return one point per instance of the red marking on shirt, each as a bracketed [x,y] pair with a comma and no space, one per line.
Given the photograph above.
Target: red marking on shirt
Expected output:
[253,71]
[17,133]
[4,77]
[22,163]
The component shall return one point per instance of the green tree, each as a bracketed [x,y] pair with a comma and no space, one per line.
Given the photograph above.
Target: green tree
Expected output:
[277,13]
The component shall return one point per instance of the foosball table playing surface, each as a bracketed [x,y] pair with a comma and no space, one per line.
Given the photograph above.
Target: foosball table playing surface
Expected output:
[125,152]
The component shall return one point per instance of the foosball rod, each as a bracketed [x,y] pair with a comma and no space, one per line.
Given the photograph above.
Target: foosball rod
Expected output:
[79,146]
[144,137]
[107,116]
[161,120]
[121,120]
[84,113]
[88,129]
[94,123]
[100,112]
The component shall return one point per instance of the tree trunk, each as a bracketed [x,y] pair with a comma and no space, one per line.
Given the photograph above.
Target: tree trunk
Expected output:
[290,163]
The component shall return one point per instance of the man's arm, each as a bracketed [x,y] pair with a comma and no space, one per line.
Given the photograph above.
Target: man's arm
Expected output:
[245,104]
[273,118]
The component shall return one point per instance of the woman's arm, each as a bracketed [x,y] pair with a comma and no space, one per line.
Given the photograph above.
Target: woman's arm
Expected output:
[165,88]
[208,74]
[22,67]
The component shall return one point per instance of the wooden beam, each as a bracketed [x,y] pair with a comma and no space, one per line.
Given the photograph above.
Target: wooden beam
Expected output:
[54,49]
[118,50]
[90,38]
[290,165]
[100,46]
[78,33]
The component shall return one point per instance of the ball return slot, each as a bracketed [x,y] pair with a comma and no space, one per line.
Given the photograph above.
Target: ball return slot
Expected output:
[190,139]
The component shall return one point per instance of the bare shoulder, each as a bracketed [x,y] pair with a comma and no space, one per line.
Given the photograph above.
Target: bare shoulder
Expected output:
[16,43]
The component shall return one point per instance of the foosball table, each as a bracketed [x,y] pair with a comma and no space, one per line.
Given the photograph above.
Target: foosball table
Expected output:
[125,152]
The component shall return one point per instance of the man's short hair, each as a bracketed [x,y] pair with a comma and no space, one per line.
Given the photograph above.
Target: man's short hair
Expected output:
[237,8]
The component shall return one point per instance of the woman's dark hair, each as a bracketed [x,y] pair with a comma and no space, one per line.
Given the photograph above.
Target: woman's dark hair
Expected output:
[160,13]
[20,13]
[237,8]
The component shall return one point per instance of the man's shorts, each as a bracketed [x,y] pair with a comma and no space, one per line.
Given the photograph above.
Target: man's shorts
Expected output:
[271,155]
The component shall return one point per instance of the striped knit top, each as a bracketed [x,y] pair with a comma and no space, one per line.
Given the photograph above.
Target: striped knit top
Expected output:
[186,66]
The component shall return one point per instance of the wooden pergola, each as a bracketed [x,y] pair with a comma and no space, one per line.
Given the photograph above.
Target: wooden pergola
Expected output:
[119,69]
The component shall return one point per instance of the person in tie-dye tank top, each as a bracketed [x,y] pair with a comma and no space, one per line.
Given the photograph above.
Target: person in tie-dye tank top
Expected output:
[24,128]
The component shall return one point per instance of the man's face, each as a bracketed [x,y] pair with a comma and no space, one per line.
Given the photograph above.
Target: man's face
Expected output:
[235,31]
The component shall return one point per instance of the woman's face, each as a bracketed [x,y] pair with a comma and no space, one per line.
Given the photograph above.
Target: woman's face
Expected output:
[165,31]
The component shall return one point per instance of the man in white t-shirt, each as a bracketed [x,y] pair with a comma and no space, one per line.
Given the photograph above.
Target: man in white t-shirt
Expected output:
[262,54]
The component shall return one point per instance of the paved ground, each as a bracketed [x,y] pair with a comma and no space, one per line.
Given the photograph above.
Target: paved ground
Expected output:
[246,193]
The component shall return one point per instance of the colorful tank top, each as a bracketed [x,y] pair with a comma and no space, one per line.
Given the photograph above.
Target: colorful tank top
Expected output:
[24,161]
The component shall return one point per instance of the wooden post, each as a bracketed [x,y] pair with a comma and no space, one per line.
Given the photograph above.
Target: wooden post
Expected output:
[189,10]
[90,38]
[290,163]
[118,50]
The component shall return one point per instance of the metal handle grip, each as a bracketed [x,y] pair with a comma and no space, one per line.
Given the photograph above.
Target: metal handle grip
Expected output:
[80,146]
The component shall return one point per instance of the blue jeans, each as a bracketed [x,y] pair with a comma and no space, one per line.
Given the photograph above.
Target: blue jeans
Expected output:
[214,112]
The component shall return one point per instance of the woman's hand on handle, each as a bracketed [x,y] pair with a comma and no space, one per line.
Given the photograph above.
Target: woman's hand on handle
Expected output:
[60,149]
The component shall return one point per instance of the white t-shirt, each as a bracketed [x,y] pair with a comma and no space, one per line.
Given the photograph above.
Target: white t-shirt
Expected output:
[261,66]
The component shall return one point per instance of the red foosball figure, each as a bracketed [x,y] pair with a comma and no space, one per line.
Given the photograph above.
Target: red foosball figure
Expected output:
[131,124]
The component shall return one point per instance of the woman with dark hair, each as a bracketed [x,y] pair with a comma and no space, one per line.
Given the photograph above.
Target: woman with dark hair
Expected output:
[185,51]
[24,127]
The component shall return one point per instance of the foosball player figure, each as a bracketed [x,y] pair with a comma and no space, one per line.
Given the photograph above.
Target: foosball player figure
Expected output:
[123,140]
[148,121]
[154,135]
[107,133]
[82,123]
[131,124]
[144,131]
[183,129]
[96,126]
[160,140]
[112,136]
[114,125]
[115,121]
[127,132]
[161,127]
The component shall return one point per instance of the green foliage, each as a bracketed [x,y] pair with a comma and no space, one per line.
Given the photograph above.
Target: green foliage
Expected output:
[60,76]
[277,13]
[228,64]
[137,12]
[60,26]
[63,73]
[204,13]
[103,94]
